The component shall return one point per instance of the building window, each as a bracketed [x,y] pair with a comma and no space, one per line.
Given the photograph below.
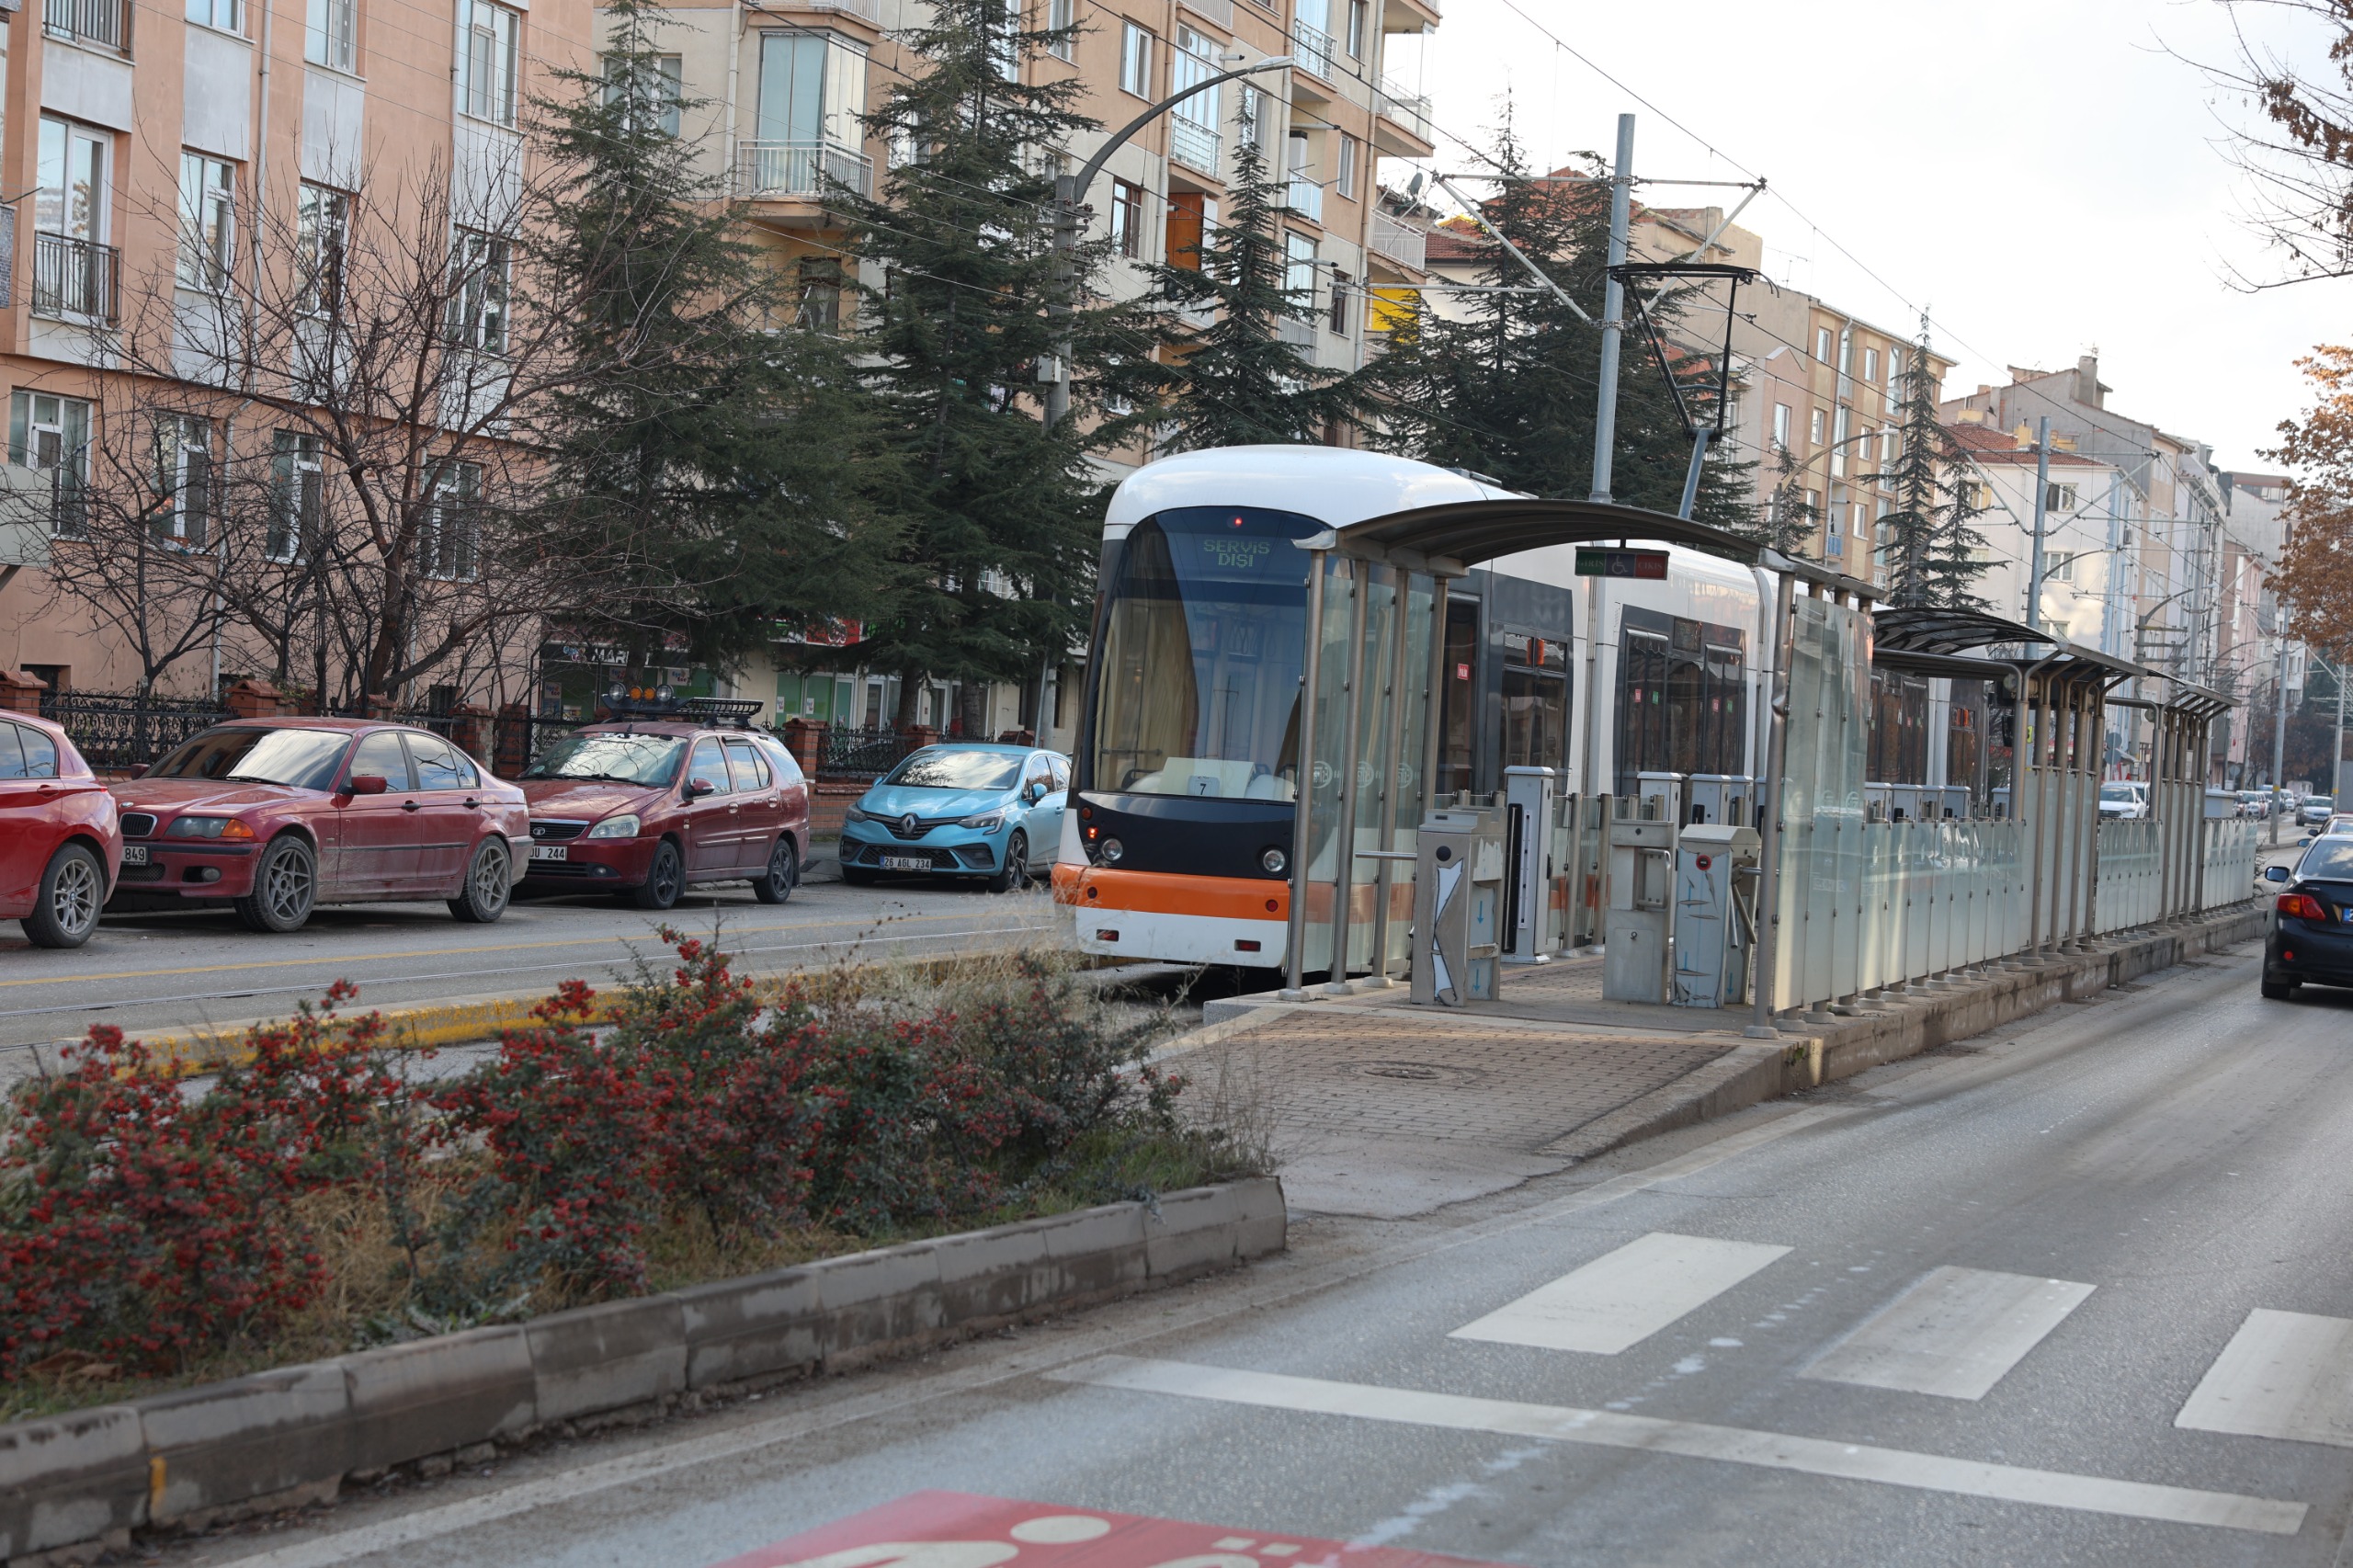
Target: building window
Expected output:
[1126,218]
[1822,344]
[1061,20]
[1814,430]
[1839,444]
[479,267]
[451,544]
[1339,319]
[229,16]
[184,478]
[1192,124]
[1250,113]
[2059,567]
[2059,499]
[1135,60]
[1782,418]
[486,51]
[321,225]
[1344,171]
[1870,364]
[821,293]
[297,492]
[208,220]
[1359,23]
[1891,444]
[73,198]
[1299,271]
[331,33]
[1004,43]
[812,88]
[669,89]
[1813,505]
[51,435]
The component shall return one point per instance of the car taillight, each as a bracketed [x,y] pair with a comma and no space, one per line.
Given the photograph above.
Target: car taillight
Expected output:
[2303,905]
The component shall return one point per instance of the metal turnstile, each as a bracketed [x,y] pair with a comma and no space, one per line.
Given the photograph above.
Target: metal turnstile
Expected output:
[1716,867]
[1529,931]
[1459,906]
[1722,798]
[1640,914]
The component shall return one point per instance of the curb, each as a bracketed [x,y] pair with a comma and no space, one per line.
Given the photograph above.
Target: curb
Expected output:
[197,1456]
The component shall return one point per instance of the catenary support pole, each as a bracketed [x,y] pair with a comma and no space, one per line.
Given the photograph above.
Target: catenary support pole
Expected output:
[1691,475]
[2278,738]
[2041,498]
[1613,309]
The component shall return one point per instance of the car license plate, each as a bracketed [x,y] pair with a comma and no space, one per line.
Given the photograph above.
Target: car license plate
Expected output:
[550,852]
[906,862]
[134,855]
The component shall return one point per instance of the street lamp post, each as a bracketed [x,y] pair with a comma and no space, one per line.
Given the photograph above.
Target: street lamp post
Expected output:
[1070,197]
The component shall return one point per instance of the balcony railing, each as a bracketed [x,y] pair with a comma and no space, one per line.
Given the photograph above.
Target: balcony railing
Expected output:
[1399,242]
[1305,198]
[1312,46]
[1297,332]
[1195,146]
[1411,110]
[76,279]
[770,170]
[1221,12]
[865,10]
[106,23]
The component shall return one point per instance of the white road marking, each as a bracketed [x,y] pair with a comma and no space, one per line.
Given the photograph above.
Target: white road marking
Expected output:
[2283,1375]
[1623,1297]
[1954,1334]
[1693,1439]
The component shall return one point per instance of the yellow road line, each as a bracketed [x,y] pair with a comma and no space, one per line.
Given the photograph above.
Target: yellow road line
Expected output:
[441,952]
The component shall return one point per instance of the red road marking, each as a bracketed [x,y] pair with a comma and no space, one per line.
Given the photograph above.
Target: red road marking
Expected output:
[957,1529]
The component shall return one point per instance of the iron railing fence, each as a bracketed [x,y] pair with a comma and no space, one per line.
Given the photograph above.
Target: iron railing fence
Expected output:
[76,279]
[114,730]
[849,751]
[103,22]
[775,169]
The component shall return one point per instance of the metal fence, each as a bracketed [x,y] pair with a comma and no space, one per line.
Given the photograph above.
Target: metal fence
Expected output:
[846,752]
[114,732]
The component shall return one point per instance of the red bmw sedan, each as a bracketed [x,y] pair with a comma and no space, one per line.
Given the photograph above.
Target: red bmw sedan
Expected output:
[60,837]
[276,816]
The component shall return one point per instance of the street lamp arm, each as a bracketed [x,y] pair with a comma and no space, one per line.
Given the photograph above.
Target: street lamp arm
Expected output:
[1094,166]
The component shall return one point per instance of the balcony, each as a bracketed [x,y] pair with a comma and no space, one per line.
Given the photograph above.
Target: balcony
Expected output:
[105,23]
[798,171]
[1304,198]
[864,10]
[1312,47]
[1400,242]
[76,280]
[1218,11]
[1409,112]
[1195,146]
[1295,330]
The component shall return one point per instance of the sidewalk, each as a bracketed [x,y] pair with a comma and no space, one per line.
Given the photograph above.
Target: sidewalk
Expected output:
[1385,1110]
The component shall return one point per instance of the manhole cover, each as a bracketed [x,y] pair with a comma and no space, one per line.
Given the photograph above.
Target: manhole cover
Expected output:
[1420,1072]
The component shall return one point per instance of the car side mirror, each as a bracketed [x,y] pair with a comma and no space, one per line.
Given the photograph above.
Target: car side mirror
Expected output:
[2275,873]
[139,770]
[1037,793]
[697,788]
[366,784]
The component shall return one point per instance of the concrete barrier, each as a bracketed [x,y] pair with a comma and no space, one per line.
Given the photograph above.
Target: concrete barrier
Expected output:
[195,1456]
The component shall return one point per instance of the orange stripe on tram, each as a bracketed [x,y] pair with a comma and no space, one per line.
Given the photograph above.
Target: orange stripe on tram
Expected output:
[1174,893]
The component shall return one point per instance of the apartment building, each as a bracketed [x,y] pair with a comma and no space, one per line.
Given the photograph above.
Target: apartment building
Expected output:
[786,83]
[2089,510]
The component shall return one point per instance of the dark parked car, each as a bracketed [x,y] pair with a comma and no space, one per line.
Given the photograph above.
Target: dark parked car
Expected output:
[2311,935]
[648,807]
[276,816]
[61,838]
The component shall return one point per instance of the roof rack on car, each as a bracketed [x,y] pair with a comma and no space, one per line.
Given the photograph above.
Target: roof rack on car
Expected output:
[738,712]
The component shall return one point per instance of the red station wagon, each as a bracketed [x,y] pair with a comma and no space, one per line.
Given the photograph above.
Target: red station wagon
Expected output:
[60,838]
[645,807]
[278,816]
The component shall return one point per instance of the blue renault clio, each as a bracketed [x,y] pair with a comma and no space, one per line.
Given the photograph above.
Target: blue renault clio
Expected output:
[960,810]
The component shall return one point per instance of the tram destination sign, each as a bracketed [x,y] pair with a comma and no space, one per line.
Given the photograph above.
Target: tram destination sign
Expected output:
[1602,561]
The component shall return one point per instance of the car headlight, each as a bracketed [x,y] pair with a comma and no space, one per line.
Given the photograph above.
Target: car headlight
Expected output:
[622,826]
[208,827]
[987,822]
[854,814]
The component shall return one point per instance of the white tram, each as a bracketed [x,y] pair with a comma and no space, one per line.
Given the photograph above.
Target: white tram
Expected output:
[1185,792]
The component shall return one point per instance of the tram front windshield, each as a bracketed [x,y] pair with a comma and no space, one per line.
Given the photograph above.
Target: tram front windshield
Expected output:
[1205,634]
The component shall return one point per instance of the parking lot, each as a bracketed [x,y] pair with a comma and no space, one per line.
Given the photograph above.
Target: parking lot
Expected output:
[153,973]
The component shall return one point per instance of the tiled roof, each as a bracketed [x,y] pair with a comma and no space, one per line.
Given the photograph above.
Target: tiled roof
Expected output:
[1990,445]
[1457,239]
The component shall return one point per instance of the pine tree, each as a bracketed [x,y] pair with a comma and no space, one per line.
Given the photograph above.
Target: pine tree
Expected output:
[1790,518]
[730,465]
[1918,481]
[1950,564]
[1511,391]
[999,514]
[1237,380]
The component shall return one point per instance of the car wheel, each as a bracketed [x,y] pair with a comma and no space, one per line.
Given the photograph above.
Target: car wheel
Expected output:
[2279,990]
[664,879]
[487,888]
[1014,872]
[65,906]
[286,886]
[861,876]
[776,884]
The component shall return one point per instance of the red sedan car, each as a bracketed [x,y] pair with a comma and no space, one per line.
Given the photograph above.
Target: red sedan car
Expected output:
[647,807]
[278,816]
[59,838]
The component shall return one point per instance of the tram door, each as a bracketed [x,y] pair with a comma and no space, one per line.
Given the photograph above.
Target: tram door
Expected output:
[1505,698]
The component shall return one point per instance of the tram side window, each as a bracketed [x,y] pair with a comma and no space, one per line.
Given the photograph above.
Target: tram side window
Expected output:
[1204,638]
[1965,736]
[1724,717]
[1536,701]
[1460,698]
[1682,700]
[1642,728]
[1898,742]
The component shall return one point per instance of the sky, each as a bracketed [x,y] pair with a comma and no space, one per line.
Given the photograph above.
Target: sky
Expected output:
[2045,178]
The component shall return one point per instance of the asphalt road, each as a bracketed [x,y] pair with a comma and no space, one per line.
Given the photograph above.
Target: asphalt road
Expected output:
[154,972]
[2080,1293]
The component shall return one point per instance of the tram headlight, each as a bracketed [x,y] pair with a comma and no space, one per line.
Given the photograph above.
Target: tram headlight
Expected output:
[1110,850]
[1276,862]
